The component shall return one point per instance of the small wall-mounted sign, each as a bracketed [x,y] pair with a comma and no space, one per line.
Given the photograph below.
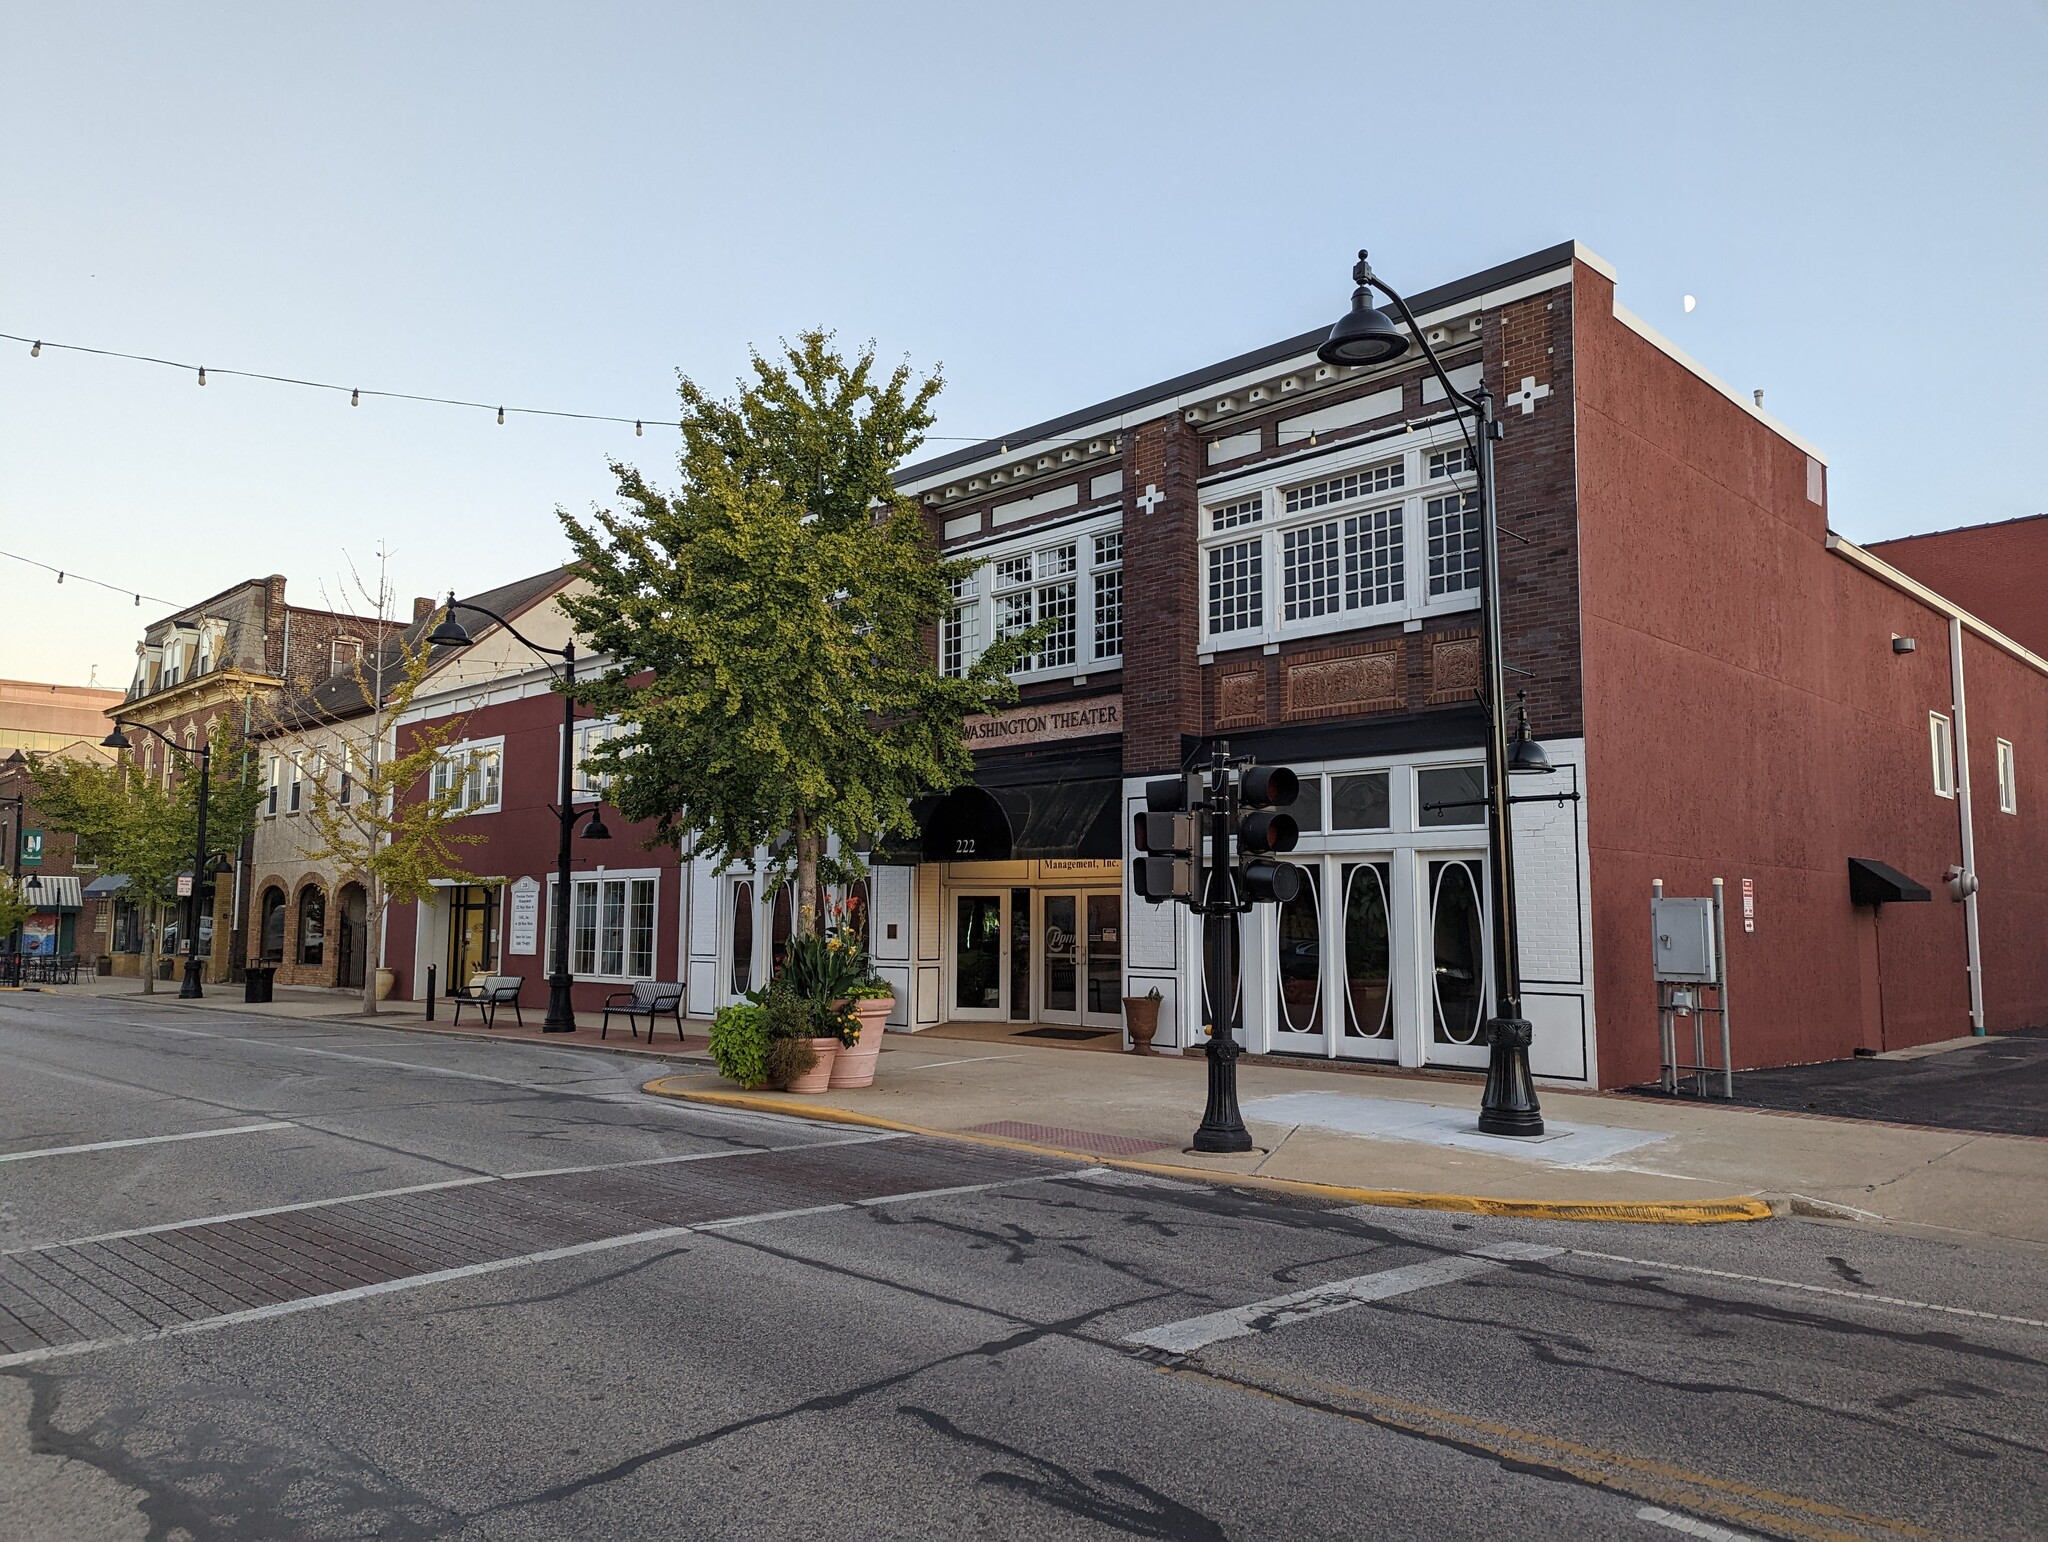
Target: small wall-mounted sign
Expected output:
[522,926]
[1749,904]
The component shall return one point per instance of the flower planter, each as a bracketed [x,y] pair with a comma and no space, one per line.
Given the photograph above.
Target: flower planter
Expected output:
[819,1076]
[855,1066]
[387,980]
[1141,1018]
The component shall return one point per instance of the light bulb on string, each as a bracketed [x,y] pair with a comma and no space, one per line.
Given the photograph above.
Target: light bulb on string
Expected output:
[637,429]
[202,374]
[37,351]
[60,575]
[355,398]
[501,417]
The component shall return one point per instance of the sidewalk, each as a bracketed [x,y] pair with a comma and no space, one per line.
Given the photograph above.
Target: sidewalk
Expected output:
[1390,1138]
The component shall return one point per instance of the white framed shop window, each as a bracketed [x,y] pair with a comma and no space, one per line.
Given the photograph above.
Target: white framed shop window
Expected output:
[2008,780]
[475,769]
[613,918]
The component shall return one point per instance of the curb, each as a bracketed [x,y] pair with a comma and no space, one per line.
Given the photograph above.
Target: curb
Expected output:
[1676,1212]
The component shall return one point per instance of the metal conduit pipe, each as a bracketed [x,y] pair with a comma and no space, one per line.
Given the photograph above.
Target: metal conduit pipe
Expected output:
[1962,716]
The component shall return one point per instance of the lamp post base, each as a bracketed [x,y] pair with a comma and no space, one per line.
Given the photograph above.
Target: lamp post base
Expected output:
[1509,1105]
[189,989]
[1222,1130]
[561,1016]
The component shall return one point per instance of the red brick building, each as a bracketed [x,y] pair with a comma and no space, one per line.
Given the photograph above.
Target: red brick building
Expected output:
[1997,571]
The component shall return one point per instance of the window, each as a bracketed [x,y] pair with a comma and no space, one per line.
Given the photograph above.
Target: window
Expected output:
[1342,489]
[611,926]
[272,928]
[1359,801]
[742,937]
[298,786]
[1941,739]
[1453,543]
[593,785]
[1245,511]
[960,632]
[345,654]
[2008,780]
[1458,793]
[276,776]
[312,925]
[1039,587]
[1450,463]
[1307,807]
[1109,595]
[1373,559]
[472,774]
[1309,571]
[174,655]
[348,773]
[1237,587]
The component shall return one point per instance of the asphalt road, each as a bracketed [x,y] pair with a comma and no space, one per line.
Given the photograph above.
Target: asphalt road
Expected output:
[441,1288]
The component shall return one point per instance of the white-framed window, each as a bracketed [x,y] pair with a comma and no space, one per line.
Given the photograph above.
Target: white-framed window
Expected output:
[276,781]
[1107,580]
[348,773]
[592,786]
[475,772]
[611,925]
[298,786]
[1942,741]
[2008,780]
[346,653]
[174,657]
[1341,545]
[1072,583]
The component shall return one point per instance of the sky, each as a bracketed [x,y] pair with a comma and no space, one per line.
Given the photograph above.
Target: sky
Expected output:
[564,205]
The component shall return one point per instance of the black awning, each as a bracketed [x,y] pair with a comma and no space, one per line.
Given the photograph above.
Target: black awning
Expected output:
[1872,882]
[966,825]
[1081,817]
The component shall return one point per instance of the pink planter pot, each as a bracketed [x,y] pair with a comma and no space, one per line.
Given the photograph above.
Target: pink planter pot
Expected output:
[819,1076]
[855,1067]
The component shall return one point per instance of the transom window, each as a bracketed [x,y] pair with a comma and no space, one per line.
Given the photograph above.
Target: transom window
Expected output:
[1450,463]
[1245,511]
[1342,489]
[1073,587]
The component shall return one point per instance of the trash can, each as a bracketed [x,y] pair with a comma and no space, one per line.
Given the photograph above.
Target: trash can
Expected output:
[256,982]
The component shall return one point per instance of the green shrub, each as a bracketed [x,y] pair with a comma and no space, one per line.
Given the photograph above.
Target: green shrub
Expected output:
[740,1044]
[790,1058]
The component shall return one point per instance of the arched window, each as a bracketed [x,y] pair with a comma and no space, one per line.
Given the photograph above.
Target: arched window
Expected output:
[742,937]
[779,928]
[272,934]
[312,925]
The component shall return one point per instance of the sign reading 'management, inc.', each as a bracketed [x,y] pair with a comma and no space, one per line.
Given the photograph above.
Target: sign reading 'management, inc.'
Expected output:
[1047,725]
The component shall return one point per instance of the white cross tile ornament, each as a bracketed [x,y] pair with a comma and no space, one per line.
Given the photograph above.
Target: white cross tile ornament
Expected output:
[1530,394]
[1151,498]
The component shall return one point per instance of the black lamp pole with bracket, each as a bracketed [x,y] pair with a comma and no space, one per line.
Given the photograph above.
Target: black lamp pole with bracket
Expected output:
[189,944]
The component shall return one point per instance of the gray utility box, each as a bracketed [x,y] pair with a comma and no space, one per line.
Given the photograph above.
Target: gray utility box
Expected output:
[1683,940]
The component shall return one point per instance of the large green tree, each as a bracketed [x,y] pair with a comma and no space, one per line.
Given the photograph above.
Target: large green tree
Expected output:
[769,624]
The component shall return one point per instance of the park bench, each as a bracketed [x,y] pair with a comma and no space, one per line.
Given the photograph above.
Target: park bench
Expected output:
[649,999]
[486,993]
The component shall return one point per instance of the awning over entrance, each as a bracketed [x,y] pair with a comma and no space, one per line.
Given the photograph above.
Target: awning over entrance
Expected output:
[105,885]
[1075,817]
[56,891]
[1872,882]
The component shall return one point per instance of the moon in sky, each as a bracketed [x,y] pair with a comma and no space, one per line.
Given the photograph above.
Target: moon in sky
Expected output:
[1690,302]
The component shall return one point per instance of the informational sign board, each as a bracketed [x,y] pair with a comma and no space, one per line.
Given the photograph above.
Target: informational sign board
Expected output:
[184,886]
[522,925]
[1749,904]
[31,848]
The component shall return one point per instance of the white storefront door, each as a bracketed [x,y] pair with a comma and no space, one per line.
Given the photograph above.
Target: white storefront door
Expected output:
[1080,957]
[977,979]
[1457,981]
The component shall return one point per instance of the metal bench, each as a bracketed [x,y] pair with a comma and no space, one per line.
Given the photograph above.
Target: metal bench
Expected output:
[486,993]
[649,999]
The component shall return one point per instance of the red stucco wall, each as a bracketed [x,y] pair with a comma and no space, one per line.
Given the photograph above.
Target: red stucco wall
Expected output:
[1747,717]
[1993,571]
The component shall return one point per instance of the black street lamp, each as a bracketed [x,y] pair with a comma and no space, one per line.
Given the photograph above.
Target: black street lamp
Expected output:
[451,633]
[118,740]
[1364,336]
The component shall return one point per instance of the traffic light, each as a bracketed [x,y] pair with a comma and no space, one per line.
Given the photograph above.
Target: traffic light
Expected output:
[1263,829]
[1168,834]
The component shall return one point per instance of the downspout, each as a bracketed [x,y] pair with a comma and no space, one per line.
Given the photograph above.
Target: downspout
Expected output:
[1969,874]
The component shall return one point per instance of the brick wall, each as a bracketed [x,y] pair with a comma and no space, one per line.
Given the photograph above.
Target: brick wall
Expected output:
[1163,687]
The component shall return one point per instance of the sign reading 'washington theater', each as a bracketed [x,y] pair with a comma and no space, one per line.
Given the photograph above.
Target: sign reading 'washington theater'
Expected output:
[1047,725]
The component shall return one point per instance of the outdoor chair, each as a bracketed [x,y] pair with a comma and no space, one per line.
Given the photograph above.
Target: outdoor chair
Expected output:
[486,993]
[649,999]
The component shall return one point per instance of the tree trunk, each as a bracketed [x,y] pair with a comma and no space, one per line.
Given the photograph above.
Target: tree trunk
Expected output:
[808,844]
[373,941]
[151,930]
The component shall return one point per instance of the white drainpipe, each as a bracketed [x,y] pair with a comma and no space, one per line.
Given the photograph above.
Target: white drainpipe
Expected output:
[1962,714]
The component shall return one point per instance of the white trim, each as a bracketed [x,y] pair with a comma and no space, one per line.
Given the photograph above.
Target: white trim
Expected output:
[1905,583]
[2008,778]
[494,743]
[1941,753]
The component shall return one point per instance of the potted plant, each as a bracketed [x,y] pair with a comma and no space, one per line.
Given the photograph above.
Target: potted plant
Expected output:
[739,1044]
[871,1000]
[1141,1018]
[803,1037]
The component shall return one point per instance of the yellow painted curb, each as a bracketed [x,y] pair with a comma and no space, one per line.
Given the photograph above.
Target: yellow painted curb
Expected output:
[1670,1212]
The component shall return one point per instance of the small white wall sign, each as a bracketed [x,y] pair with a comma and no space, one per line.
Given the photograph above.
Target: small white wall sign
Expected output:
[522,922]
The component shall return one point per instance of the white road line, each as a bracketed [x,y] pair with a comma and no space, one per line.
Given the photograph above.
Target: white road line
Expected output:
[466,1272]
[1691,1527]
[1816,1290]
[932,1065]
[1339,1295]
[144,1140]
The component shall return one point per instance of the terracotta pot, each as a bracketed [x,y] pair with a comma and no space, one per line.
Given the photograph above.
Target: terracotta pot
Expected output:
[1141,1017]
[819,1076]
[855,1067]
[387,981]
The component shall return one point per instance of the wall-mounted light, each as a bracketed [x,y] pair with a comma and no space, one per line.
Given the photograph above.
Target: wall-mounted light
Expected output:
[1903,644]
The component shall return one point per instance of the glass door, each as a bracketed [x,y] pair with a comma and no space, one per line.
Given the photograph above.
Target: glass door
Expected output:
[1459,982]
[1298,1008]
[1103,1006]
[1059,969]
[1365,1005]
[979,988]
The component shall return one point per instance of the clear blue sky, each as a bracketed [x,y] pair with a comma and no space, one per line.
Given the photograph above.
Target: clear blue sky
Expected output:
[562,205]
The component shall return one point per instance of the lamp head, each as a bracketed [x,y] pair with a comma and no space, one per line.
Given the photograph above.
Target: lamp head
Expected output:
[1526,756]
[117,740]
[450,633]
[1363,335]
[594,829]
[34,883]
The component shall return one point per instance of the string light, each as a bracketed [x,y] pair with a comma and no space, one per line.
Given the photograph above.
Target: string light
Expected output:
[355,398]
[36,352]
[637,429]
[64,573]
[501,417]
[202,374]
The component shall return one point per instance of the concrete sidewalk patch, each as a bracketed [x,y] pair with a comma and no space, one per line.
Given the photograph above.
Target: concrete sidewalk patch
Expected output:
[1679,1212]
[1560,1145]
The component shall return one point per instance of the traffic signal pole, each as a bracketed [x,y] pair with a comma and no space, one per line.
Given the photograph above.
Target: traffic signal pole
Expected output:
[1222,1129]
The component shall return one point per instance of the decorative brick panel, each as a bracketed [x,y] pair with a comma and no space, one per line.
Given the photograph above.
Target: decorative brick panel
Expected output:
[1454,667]
[1241,698]
[1342,682]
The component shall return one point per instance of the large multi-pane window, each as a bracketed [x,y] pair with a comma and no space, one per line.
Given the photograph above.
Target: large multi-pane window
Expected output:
[1071,586]
[611,927]
[593,785]
[1343,545]
[474,773]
